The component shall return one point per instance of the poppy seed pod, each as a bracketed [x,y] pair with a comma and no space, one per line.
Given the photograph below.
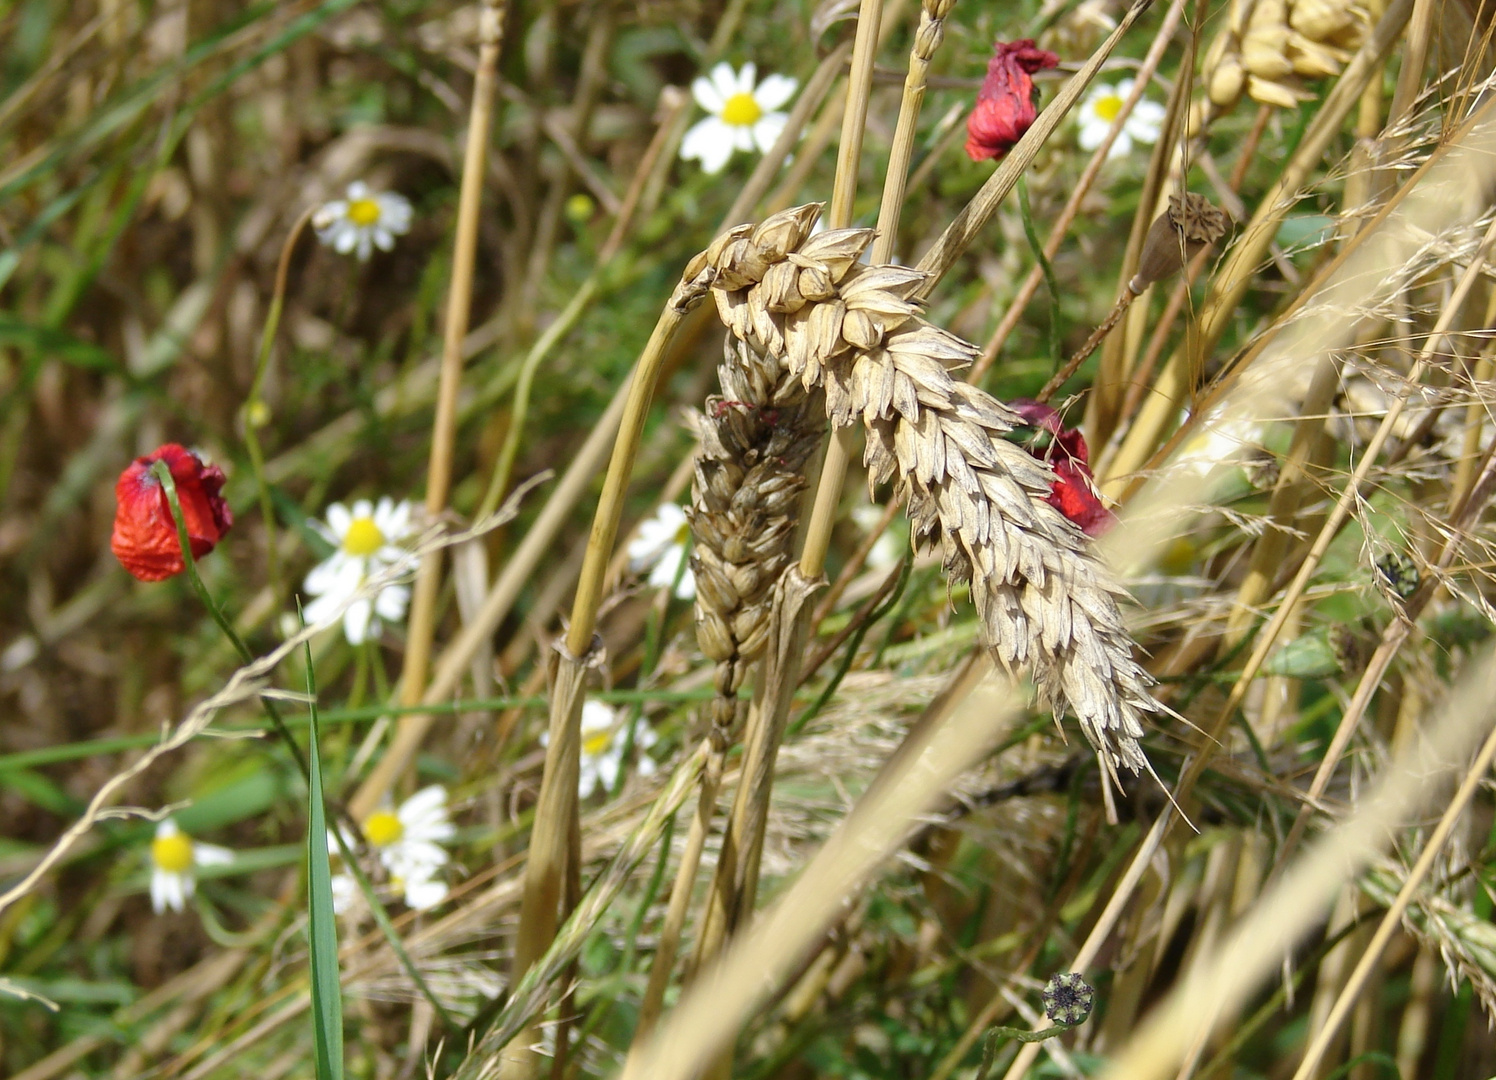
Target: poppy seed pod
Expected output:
[145,533]
[1175,237]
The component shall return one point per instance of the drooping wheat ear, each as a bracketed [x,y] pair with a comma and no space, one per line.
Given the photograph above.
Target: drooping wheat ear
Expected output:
[755,440]
[853,332]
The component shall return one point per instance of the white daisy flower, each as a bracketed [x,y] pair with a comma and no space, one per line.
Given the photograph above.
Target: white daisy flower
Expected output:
[420,893]
[742,115]
[660,545]
[366,539]
[603,737]
[362,221]
[174,856]
[408,840]
[1100,108]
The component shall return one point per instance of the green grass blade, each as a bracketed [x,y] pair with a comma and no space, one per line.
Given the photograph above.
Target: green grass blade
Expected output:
[327,991]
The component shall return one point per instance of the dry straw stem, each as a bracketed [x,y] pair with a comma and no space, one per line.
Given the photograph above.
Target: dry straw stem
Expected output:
[459,305]
[1350,497]
[556,807]
[1222,981]
[726,995]
[1371,953]
[1443,195]
[531,994]
[1233,279]
[1393,637]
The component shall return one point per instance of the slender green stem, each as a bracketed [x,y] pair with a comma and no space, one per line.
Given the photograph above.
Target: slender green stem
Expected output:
[162,472]
[255,414]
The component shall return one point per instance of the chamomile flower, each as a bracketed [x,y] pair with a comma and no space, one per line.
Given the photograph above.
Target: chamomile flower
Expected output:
[660,546]
[366,537]
[408,840]
[174,858]
[419,887]
[742,116]
[363,221]
[1101,107]
[603,737]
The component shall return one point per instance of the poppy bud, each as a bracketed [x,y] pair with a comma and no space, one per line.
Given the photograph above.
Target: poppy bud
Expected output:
[1068,998]
[145,533]
[1005,103]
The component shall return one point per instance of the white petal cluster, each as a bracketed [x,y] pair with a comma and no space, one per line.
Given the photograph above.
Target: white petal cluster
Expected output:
[367,539]
[175,857]
[659,545]
[408,842]
[742,115]
[1101,106]
[603,738]
[362,221]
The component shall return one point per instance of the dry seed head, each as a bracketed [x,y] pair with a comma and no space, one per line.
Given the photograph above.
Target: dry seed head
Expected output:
[1176,235]
[1042,596]
[755,440]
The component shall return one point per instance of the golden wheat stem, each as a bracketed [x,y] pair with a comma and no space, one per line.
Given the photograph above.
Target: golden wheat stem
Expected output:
[1230,284]
[1391,922]
[254,414]
[1349,497]
[459,307]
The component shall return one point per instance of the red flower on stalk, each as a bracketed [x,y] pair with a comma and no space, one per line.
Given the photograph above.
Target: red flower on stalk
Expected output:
[1005,103]
[145,534]
[1074,490]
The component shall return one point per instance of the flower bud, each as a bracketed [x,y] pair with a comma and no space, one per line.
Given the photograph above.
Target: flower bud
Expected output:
[1068,998]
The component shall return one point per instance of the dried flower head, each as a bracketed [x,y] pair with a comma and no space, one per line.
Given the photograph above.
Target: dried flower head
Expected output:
[1068,998]
[1074,490]
[145,534]
[1006,102]
[1176,236]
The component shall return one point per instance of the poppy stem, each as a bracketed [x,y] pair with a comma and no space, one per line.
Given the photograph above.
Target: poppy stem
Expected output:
[162,472]
[995,1037]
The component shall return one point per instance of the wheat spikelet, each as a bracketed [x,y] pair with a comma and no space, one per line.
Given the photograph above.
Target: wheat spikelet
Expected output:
[854,332]
[756,437]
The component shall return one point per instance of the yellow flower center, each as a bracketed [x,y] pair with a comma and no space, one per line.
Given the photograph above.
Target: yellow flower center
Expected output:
[741,110]
[363,212]
[363,537]
[382,828]
[1107,107]
[596,742]
[172,854]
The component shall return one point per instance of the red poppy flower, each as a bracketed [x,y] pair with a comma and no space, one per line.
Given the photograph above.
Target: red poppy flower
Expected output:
[1005,103]
[145,534]
[1074,491]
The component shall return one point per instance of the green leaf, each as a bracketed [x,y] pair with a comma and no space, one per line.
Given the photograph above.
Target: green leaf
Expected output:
[327,990]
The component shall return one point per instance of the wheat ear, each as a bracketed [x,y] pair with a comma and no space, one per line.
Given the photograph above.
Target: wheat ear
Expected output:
[854,332]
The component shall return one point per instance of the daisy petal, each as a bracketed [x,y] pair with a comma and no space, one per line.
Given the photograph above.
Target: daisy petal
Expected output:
[767,131]
[774,91]
[706,95]
[356,622]
[725,80]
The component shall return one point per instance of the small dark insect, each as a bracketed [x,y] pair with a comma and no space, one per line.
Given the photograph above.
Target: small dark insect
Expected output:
[1399,573]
